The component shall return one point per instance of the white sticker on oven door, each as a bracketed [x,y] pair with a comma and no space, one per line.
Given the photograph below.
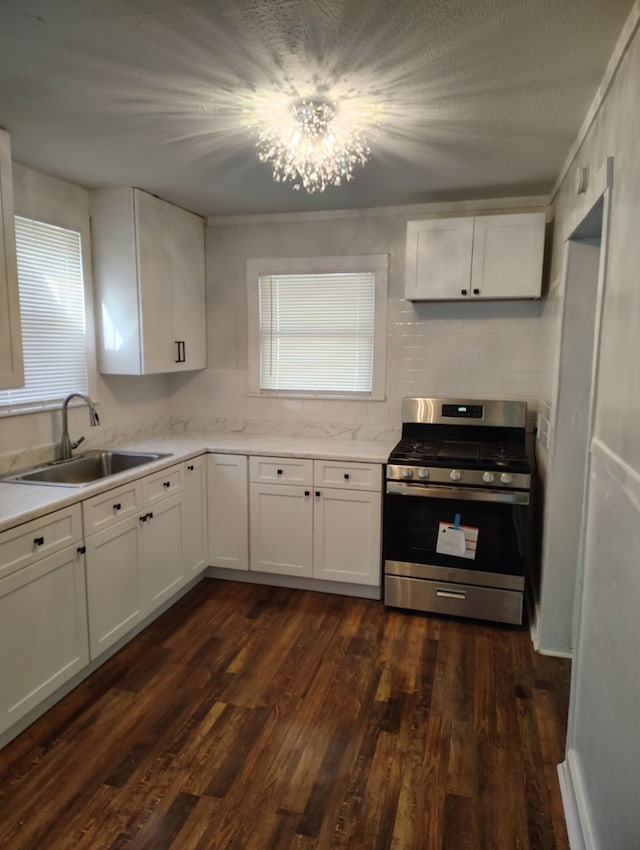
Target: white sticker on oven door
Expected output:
[457,540]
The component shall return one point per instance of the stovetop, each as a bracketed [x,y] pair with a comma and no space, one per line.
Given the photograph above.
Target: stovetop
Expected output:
[472,443]
[464,454]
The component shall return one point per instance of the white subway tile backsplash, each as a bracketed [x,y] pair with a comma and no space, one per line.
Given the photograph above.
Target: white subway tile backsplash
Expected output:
[499,352]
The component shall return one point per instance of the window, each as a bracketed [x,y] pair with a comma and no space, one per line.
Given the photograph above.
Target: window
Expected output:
[317,326]
[52,314]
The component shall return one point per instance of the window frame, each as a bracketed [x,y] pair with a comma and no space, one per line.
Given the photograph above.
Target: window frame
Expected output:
[78,225]
[378,264]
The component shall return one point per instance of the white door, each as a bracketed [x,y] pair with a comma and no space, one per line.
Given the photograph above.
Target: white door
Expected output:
[228,511]
[162,562]
[195,538]
[507,256]
[154,281]
[281,531]
[188,314]
[438,259]
[43,631]
[113,589]
[347,536]
[11,371]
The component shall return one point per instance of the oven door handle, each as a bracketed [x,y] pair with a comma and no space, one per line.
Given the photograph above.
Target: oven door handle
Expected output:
[506,497]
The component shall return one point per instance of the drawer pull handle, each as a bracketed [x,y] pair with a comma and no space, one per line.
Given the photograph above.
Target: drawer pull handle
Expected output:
[117,506]
[317,492]
[190,467]
[279,471]
[307,492]
[463,292]
[150,515]
[451,594]
[476,292]
[81,550]
[166,484]
[346,476]
[38,541]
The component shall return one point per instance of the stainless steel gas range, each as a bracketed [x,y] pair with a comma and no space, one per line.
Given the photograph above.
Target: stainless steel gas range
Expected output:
[457,509]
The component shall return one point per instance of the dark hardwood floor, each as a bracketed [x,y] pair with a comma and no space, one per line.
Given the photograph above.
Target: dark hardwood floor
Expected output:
[252,717]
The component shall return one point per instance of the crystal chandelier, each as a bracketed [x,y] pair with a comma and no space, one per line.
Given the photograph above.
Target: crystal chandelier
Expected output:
[312,144]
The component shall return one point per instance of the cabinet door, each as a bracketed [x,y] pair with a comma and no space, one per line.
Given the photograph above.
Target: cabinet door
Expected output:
[347,536]
[281,531]
[438,259]
[508,256]
[188,315]
[227,507]
[162,560]
[154,281]
[195,538]
[113,592]
[11,370]
[43,631]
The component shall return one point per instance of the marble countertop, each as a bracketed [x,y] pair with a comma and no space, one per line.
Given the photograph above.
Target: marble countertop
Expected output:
[23,502]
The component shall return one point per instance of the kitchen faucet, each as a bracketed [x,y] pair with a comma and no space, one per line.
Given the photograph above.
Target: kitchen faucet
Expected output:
[66,446]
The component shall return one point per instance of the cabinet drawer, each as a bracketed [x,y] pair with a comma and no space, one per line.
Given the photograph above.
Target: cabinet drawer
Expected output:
[281,470]
[347,475]
[460,600]
[33,540]
[163,484]
[108,508]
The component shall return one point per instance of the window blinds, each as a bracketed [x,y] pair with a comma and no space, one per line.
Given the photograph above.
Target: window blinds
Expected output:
[52,314]
[317,332]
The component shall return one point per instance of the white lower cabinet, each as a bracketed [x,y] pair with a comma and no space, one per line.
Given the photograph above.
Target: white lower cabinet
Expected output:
[195,539]
[161,553]
[281,529]
[346,536]
[137,555]
[313,530]
[43,613]
[113,586]
[227,507]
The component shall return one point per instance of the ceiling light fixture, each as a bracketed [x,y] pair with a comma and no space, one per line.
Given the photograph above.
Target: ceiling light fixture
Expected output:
[312,143]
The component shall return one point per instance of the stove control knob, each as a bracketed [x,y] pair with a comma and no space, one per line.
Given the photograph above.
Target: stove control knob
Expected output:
[488,477]
[455,475]
[506,478]
[423,473]
[406,472]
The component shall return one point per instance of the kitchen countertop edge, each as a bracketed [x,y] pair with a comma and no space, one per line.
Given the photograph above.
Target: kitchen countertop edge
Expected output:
[20,503]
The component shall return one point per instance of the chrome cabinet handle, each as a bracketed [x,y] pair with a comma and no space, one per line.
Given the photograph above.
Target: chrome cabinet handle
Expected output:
[451,594]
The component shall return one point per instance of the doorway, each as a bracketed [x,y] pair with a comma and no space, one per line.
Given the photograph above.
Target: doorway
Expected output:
[573,404]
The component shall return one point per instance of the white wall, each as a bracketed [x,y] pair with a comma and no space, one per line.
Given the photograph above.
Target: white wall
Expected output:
[126,405]
[480,349]
[602,768]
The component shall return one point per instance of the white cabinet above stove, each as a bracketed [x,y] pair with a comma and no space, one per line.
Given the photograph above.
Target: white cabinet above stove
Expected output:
[481,257]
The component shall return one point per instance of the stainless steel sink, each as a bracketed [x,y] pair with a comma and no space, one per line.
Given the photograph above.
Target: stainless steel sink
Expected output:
[84,469]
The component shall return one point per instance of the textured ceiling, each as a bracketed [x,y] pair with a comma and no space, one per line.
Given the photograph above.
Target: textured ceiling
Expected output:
[475,98]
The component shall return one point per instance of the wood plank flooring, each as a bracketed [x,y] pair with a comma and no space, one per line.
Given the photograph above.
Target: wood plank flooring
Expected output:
[255,718]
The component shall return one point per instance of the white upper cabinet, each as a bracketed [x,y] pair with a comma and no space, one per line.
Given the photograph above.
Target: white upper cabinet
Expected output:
[149,277]
[490,256]
[11,369]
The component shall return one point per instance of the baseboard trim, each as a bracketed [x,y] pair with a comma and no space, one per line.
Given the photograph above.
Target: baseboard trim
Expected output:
[574,803]
[362,591]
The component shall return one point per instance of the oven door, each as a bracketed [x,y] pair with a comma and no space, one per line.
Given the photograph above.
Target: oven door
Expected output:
[489,528]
